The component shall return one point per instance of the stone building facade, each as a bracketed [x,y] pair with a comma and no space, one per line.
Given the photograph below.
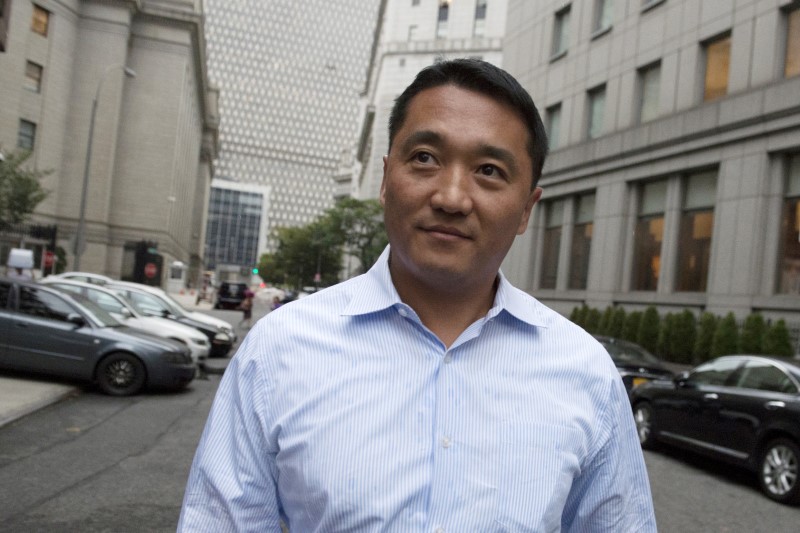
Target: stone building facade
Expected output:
[155,134]
[674,172]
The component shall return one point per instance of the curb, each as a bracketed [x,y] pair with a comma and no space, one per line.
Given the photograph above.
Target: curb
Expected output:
[21,397]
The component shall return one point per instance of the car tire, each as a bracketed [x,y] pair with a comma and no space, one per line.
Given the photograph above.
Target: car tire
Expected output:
[121,374]
[779,471]
[645,424]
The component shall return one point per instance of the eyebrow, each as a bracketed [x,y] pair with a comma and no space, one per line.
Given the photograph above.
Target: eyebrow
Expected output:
[421,137]
[501,154]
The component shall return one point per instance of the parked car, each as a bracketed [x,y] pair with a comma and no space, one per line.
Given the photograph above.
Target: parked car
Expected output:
[635,364]
[152,301]
[86,277]
[743,409]
[125,313]
[47,331]
[230,295]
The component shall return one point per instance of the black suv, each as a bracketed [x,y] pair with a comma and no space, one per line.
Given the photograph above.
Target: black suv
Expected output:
[230,295]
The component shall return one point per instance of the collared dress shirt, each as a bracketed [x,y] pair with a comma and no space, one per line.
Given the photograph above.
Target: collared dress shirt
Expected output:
[343,412]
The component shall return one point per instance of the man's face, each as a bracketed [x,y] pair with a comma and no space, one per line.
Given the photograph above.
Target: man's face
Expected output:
[456,188]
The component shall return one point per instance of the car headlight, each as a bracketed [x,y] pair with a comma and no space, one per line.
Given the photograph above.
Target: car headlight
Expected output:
[222,337]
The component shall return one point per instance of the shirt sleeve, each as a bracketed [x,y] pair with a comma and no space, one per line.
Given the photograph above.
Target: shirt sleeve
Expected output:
[232,482]
[613,491]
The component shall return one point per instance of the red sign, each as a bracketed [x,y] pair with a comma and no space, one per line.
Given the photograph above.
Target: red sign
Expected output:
[49,259]
[150,270]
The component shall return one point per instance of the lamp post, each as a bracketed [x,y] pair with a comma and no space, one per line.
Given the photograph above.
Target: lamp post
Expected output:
[79,235]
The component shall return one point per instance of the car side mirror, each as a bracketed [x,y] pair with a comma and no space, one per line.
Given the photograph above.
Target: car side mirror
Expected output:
[165,313]
[75,318]
[681,379]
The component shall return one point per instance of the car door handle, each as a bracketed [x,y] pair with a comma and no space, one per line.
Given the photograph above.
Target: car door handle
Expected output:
[711,396]
[775,404]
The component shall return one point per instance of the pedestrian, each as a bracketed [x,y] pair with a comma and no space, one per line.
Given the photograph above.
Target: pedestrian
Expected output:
[428,393]
[276,303]
[247,309]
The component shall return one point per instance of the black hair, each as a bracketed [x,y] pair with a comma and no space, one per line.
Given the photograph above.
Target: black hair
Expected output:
[482,77]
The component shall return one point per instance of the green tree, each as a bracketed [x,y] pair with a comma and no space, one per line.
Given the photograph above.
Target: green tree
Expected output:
[663,345]
[647,336]
[617,323]
[605,321]
[631,327]
[726,337]
[705,335]
[777,341]
[752,337]
[592,320]
[357,226]
[301,253]
[683,336]
[575,314]
[20,190]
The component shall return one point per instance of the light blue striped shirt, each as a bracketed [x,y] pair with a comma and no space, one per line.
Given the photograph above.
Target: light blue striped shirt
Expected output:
[343,412]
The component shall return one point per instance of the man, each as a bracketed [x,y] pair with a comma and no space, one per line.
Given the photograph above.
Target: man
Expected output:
[428,394]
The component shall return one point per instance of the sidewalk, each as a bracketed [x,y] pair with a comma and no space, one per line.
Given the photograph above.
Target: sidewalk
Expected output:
[20,396]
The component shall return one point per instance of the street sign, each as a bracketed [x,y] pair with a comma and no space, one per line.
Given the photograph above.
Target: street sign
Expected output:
[150,270]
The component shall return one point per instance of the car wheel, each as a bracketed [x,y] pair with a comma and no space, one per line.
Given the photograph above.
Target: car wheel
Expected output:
[778,471]
[121,374]
[644,418]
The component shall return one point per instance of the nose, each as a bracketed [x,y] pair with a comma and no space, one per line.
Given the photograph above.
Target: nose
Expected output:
[452,193]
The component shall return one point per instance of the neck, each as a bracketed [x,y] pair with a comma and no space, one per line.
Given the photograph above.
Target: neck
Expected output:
[446,309]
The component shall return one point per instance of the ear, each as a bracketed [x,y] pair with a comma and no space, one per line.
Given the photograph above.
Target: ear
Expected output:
[533,197]
[382,197]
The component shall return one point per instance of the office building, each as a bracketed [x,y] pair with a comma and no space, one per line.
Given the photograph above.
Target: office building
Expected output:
[674,173]
[153,135]
[290,74]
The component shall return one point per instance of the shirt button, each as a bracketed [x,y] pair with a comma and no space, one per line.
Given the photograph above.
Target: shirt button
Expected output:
[403,312]
[439,530]
[448,359]
[446,444]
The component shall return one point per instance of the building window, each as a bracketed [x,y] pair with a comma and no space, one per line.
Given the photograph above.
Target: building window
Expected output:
[26,136]
[40,20]
[412,32]
[792,67]
[790,231]
[480,18]
[5,14]
[603,13]
[648,236]
[718,57]
[33,77]
[551,244]
[696,228]
[581,242]
[649,88]
[441,21]
[414,2]
[553,114]
[597,104]
[561,33]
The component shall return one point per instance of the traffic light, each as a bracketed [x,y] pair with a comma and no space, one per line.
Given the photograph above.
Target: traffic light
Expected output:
[255,270]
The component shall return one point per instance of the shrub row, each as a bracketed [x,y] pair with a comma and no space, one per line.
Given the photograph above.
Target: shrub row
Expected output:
[683,337]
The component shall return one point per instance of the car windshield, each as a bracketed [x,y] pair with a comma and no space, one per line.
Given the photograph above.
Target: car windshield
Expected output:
[625,352]
[176,308]
[95,312]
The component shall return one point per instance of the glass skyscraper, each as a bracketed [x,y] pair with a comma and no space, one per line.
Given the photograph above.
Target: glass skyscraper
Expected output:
[289,75]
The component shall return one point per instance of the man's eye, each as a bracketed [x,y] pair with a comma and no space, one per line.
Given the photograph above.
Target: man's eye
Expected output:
[488,170]
[423,157]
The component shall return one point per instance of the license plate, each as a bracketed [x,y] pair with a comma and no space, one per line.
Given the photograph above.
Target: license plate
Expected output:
[639,381]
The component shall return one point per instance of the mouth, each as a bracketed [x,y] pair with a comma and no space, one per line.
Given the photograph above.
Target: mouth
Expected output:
[449,233]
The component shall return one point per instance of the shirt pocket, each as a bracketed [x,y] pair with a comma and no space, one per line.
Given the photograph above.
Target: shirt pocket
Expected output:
[537,466]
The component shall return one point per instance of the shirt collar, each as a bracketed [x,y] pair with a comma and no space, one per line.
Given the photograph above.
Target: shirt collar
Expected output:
[374,291]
